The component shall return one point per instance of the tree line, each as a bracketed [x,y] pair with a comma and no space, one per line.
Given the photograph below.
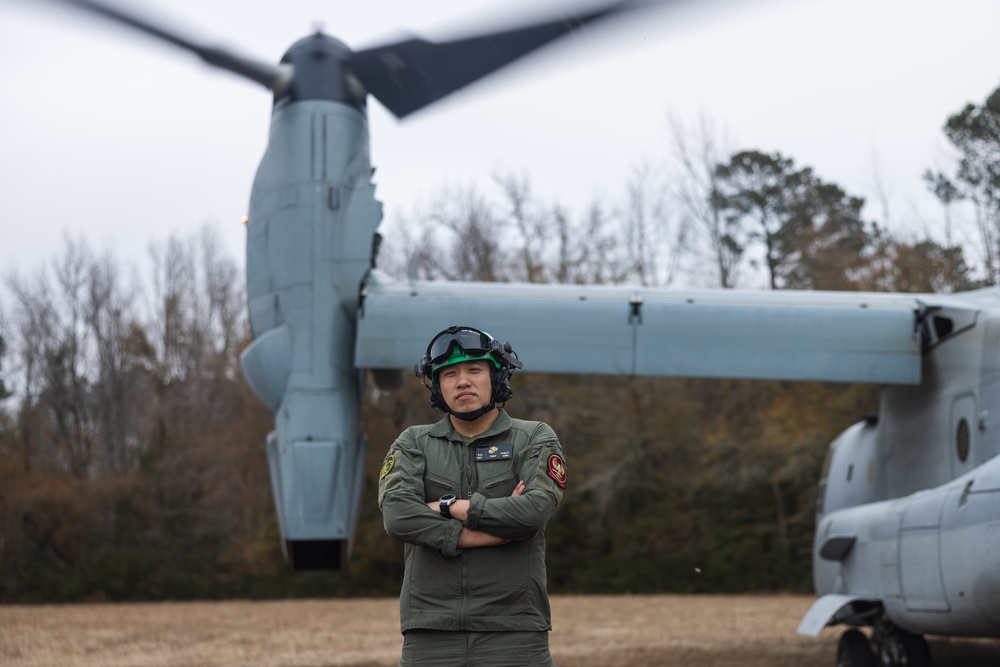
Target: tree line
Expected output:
[132,461]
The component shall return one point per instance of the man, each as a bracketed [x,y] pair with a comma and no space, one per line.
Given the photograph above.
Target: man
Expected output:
[470,496]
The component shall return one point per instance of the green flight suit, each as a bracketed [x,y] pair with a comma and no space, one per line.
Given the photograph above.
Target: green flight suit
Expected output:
[482,589]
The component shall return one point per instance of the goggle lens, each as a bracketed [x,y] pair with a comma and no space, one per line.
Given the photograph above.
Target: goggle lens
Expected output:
[473,343]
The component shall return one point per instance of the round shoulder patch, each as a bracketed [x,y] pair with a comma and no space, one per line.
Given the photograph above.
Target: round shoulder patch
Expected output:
[387,466]
[557,470]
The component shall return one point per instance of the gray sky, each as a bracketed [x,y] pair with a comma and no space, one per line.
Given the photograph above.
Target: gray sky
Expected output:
[124,140]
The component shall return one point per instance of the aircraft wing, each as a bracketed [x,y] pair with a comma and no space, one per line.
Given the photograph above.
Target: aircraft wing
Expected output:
[777,335]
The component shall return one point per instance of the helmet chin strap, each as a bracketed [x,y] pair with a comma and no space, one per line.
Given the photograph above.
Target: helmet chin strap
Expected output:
[473,415]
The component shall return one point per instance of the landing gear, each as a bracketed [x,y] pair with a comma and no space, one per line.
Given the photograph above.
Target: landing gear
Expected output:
[899,648]
[854,650]
[889,646]
[918,653]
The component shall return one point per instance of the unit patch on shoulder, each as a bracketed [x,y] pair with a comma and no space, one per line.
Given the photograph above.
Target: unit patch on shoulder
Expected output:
[557,470]
[501,452]
[387,466]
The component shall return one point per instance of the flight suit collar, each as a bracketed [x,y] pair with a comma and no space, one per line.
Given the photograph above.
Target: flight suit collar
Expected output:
[444,429]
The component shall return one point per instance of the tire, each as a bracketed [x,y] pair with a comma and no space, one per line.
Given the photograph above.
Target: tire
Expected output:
[853,650]
[915,648]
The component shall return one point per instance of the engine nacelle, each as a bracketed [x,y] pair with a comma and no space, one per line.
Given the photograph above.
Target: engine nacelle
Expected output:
[313,216]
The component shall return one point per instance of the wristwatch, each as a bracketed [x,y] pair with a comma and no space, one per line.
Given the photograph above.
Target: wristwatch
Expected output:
[445,504]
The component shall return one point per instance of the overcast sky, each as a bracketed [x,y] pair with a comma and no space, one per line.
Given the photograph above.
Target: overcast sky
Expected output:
[124,140]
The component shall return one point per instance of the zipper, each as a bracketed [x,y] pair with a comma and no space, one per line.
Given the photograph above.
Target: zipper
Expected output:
[463,611]
[464,605]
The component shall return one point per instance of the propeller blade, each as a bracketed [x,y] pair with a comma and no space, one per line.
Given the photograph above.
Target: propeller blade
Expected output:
[263,73]
[411,74]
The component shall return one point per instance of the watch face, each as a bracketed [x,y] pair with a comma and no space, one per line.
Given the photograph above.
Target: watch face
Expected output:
[445,504]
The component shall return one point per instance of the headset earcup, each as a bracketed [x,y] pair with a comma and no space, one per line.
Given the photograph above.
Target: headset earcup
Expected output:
[501,385]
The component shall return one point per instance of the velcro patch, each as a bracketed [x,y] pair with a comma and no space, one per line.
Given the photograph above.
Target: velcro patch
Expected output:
[387,466]
[557,470]
[501,452]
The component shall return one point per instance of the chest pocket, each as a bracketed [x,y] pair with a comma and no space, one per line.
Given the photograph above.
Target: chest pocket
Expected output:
[498,486]
[436,485]
[495,468]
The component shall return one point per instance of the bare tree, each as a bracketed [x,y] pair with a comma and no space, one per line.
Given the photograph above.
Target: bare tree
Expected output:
[78,401]
[534,224]
[197,321]
[4,392]
[224,305]
[466,240]
[653,243]
[699,151]
[31,323]
[468,235]
[49,348]
[590,249]
[553,246]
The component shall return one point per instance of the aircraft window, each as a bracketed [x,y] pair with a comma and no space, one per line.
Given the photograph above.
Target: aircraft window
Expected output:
[962,440]
[850,472]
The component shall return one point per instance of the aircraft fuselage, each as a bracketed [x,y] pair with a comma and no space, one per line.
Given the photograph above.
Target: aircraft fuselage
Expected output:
[909,520]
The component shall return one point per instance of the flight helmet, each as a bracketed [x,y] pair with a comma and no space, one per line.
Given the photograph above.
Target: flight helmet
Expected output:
[458,344]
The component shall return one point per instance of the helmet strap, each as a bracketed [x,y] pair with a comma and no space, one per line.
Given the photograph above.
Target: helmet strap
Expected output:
[473,415]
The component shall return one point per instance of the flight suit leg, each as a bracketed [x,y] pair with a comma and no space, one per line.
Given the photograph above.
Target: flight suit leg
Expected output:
[441,648]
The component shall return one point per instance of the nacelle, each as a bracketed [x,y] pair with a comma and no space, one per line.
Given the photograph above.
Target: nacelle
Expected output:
[309,244]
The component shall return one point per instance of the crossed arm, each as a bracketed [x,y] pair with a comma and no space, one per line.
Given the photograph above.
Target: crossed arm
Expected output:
[469,538]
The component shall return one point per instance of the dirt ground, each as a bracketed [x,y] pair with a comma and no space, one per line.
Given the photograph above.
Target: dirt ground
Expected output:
[590,631]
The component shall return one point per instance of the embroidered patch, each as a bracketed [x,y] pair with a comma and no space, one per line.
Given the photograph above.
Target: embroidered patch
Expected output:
[501,452]
[557,470]
[387,466]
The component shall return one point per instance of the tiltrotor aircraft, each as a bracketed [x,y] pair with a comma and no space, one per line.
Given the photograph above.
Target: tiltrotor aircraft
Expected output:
[908,528]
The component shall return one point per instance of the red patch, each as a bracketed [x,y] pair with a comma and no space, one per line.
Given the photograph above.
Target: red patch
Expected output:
[557,470]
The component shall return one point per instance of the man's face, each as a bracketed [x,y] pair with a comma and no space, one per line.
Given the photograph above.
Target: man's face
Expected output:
[466,386]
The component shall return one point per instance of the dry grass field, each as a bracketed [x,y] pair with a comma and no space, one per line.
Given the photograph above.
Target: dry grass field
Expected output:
[590,631]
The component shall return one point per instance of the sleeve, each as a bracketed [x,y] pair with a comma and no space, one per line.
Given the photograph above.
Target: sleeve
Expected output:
[401,499]
[544,473]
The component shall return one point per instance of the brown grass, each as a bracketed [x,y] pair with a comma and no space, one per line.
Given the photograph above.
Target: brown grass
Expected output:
[590,631]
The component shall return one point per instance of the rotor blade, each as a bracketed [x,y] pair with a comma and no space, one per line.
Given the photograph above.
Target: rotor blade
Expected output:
[263,73]
[411,74]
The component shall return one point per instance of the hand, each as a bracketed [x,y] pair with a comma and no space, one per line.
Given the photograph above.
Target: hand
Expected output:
[460,508]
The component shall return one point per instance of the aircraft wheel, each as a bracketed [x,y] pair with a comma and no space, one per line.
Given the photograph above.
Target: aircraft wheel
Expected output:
[853,650]
[915,648]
